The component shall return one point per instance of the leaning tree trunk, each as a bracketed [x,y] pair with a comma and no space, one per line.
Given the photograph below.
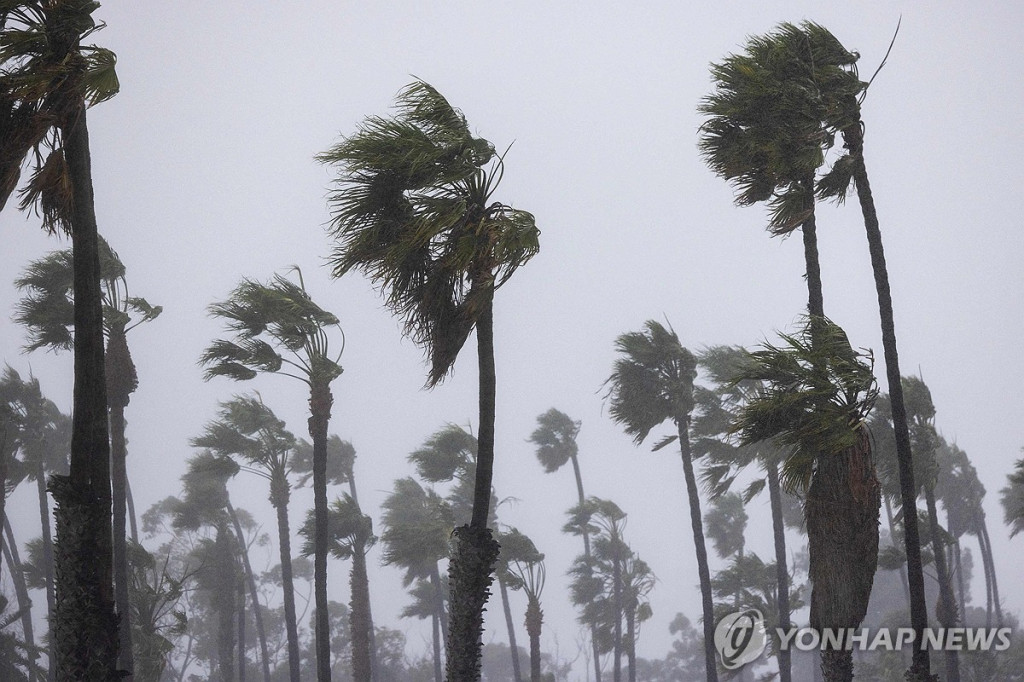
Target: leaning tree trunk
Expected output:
[10,552]
[534,624]
[683,424]
[992,570]
[279,498]
[359,616]
[474,550]
[781,569]
[44,522]
[841,511]
[261,633]
[320,402]
[920,670]
[510,626]
[946,609]
[121,381]
[85,625]
[361,558]
[586,552]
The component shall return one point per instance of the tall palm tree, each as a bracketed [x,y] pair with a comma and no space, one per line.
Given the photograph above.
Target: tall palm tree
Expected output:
[524,566]
[817,394]
[249,432]
[413,210]
[279,329]
[351,535]
[46,311]
[417,523]
[652,382]
[43,441]
[48,79]
[555,438]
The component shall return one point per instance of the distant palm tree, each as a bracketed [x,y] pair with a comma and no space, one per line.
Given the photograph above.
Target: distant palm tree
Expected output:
[47,313]
[555,438]
[413,210]
[817,394]
[249,432]
[524,566]
[1012,499]
[47,79]
[279,329]
[651,383]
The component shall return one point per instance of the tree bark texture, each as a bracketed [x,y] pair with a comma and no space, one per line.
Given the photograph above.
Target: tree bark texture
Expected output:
[359,617]
[781,568]
[534,624]
[320,402]
[279,498]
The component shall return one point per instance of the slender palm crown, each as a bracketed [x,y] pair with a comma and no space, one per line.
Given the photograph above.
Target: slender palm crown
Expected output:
[411,210]
[555,438]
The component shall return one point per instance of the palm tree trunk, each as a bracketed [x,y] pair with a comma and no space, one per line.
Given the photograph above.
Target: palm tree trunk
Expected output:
[992,570]
[10,550]
[946,610]
[361,557]
[223,601]
[586,552]
[320,402]
[631,642]
[841,512]
[892,537]
[44,522]
[534,624]
[261,633]
[510,626]
[119,477]
[436,630]
[241,622]
[133,522]
[85,625]
[474,550]
[815,299]
[439,602]
[781,569]
[683,425]
[960,581]
[617,629]
[988,575]
[853,139]
[288,584]
[359,617]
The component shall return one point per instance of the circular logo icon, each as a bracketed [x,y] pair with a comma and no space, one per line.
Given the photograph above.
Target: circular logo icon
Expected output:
[740,638]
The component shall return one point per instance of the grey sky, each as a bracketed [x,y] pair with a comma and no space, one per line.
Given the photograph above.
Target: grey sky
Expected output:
[204,173]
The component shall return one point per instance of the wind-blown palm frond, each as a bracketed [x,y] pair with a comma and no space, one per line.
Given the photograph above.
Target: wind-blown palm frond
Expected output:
[417,525]
[248,429]
[652,381]
[817,394]
[555,438]
[348,528]
[449,453]
[412,210]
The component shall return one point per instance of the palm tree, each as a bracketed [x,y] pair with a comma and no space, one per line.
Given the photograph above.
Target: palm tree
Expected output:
[555,438]
[249,432]
[523,565]
[652,382]
[817,394]
[48,79]
[1012,499]
[417,523]
[47,313]
[279,329]
[413,210]
[351,535]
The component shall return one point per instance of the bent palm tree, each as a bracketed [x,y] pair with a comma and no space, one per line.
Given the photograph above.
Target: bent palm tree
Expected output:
[47,312]
[652,382]
[817,394]
[413,210]
[248,430]
[279,329]
[47,79]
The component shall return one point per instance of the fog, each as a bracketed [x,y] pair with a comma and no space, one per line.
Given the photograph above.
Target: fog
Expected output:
[204,173]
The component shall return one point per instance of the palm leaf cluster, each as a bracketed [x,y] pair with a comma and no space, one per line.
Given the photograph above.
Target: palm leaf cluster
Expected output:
[817,394]
[45,75]
[411,210]
[265,317]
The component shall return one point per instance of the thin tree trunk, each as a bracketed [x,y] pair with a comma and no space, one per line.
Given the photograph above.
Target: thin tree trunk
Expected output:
[586,552]
[988,575]
[320,402]
[920,670]
[617,601]
[85,625]
[631,642]
[288,585]
[710,662]
[992,568]
[44,522]
[223,602]
[261,633]
[892,538]
[781,569]
[10,550]
[436,628]
[815,297]
[361,557]
[510,626]
[960,581]
[534,624]
[241,621]
[474,550]
[946,610]
[439,602]
[133,520]
[119,478]
[359,617]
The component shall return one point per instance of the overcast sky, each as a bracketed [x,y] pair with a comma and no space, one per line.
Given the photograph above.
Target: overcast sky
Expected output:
[204,174]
